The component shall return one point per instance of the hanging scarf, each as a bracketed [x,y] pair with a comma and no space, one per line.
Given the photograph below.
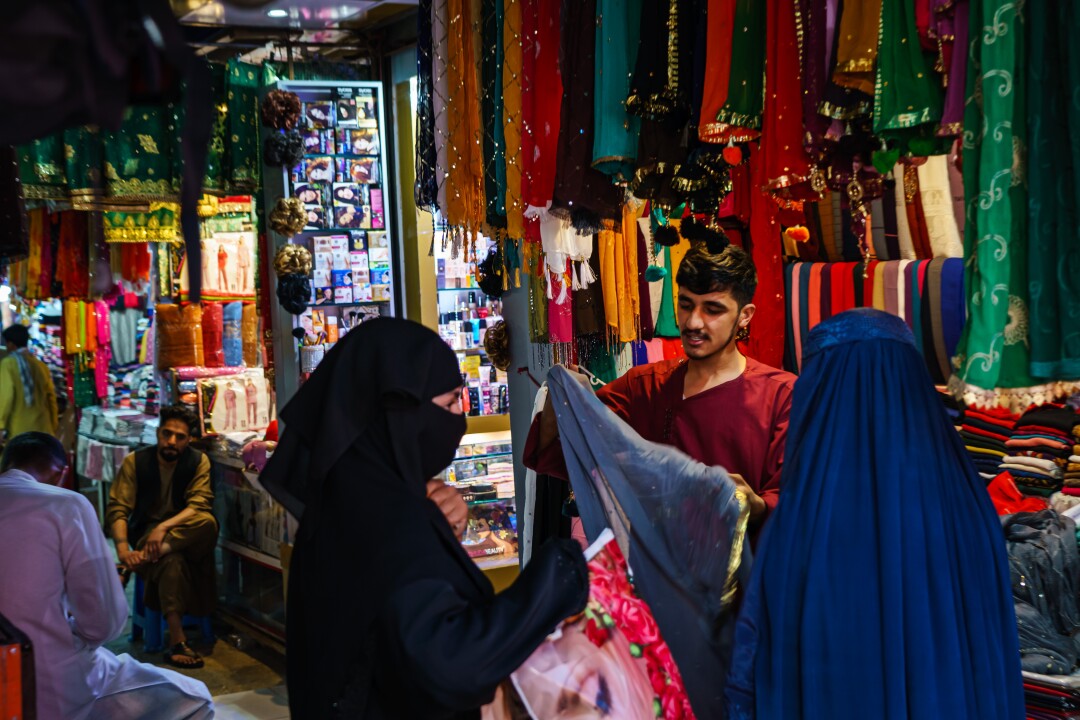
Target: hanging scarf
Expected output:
[720,19]
[953,34]
[242,150]
[782,129]
[426,191]
[465,192]
[857,48]
[745,95]
[492,111]
[103,353]
[26,375]
[907,95]
[618,23]
[542,101]
[440,97]
[581,193]
[941,228]
[1054,205]
[815,44]
[993,351]
[512,87]
[33,260]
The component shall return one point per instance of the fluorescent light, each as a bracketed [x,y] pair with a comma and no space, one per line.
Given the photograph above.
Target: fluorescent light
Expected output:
[277,13]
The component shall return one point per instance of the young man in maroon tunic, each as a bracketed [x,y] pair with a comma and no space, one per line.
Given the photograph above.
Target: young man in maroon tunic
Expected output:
[716,405]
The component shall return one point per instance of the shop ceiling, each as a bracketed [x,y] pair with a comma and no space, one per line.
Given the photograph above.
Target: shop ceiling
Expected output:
[344,30]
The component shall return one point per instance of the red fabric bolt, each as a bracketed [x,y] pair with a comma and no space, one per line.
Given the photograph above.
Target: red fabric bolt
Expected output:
[212,330]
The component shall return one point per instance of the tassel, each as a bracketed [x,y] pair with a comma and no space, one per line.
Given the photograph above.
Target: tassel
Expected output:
[587,275]
[548,286]
[654,273]
[575,282]
[564,292]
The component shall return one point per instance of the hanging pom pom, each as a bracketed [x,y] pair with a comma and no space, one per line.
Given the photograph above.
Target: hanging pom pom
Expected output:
[798,233]
[732,154]
[666,235]
[284,150]
[692,230]
[654,273]
[716,240]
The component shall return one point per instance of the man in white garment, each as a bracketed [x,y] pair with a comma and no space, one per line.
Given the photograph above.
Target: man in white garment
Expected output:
[59,585]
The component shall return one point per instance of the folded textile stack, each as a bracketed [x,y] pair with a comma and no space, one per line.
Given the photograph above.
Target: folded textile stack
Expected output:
[1052,697]
[1039,448]
[985,433]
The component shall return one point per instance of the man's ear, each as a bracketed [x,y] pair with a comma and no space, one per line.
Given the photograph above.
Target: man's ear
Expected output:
[747,314]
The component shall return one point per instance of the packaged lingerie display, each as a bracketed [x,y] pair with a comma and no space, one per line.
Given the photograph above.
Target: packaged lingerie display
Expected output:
[1045,566]
[235,403]
[928,295]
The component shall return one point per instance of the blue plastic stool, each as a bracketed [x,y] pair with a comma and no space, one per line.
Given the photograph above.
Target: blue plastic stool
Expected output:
[150,623]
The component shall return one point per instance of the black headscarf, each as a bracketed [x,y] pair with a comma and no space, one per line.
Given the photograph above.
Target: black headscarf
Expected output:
[377,380]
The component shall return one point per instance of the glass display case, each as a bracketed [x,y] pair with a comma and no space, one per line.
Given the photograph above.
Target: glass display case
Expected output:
[464,314]
[483,472]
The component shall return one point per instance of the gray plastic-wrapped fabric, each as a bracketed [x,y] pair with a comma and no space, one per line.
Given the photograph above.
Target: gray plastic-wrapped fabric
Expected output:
[680,524]
[1044,563]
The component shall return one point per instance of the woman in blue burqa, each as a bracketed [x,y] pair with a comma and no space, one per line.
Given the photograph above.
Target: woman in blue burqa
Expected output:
[881,586]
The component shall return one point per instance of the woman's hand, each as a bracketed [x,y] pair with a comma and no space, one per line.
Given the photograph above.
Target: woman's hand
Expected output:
[450,504]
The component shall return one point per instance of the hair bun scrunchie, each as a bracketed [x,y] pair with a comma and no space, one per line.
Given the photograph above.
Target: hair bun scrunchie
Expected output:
[497,345]
[280,110]
[294,293]
[292,259]
[283,150]
[288,217]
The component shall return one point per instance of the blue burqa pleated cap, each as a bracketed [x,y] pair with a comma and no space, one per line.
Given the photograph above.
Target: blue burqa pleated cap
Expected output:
[680,524]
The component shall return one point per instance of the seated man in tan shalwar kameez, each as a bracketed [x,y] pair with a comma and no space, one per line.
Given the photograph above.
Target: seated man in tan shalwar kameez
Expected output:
[160,516]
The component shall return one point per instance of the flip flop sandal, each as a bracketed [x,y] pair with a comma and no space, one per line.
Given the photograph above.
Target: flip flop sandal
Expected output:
[185,650]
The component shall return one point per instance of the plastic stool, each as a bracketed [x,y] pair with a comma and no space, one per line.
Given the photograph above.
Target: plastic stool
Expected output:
[150,623]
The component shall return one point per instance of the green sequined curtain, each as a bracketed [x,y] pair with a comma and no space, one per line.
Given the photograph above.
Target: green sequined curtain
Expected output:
[242,150]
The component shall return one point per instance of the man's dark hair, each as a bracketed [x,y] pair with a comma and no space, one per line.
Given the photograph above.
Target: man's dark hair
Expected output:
[181,413]
[17,335]
[731,270]
[32,450]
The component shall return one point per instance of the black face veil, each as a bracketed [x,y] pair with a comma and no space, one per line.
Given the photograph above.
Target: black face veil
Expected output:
[375,387]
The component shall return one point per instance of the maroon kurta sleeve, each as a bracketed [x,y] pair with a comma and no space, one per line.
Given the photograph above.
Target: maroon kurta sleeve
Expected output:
[774,459]
[617,395]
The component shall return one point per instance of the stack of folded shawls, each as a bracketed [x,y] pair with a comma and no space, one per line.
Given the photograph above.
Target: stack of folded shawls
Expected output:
[1072,468]
[984,432]
[1039,448]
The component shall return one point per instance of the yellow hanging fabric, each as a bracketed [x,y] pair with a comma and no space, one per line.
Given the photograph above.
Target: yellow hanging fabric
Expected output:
[465,186]
[513,65]
[609,276]
[626,262]
[33,259]
[677,253]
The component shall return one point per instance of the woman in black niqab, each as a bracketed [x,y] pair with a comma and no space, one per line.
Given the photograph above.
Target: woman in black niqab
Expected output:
[387,615]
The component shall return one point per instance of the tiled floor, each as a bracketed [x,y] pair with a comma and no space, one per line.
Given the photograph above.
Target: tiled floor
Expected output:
[266,704]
